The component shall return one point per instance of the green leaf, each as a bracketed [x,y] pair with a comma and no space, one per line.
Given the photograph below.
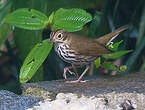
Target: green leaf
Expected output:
[114,46]
[27,18]
[109,66]
[25,40]
[50,19]
[122,68]
[97,62]
[116,54]
[70,19]
[34,60]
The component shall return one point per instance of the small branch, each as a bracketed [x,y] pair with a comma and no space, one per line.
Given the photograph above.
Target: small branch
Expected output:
[91,69]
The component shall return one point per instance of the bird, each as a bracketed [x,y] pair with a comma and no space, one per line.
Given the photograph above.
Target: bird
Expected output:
[81,51]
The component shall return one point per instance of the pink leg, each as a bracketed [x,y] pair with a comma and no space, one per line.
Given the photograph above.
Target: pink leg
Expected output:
[67,69]
[79,80]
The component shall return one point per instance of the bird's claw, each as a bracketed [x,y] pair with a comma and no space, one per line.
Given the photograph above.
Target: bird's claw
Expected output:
[65,70]
[77,81]
[71,72]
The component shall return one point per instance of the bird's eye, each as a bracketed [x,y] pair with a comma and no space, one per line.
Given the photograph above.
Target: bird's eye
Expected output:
[59,35]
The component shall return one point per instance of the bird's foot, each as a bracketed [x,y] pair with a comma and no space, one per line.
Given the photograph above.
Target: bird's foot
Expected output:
[77,81]
[80,78]
[67,69]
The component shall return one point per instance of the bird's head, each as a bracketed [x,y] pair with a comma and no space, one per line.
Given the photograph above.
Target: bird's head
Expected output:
[58,36]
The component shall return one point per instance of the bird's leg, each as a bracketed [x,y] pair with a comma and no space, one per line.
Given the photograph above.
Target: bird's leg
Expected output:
[67,69]
[79,79]
[75,70]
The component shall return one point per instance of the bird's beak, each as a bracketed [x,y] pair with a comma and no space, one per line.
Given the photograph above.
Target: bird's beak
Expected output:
[50,40]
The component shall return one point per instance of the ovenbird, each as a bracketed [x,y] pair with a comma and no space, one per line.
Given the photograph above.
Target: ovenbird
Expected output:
[79,50]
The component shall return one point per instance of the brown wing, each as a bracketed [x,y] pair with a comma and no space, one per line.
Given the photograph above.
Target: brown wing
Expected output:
[93,47]
[86,46]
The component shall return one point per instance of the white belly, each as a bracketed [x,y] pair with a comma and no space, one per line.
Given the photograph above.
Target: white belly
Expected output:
[71,56]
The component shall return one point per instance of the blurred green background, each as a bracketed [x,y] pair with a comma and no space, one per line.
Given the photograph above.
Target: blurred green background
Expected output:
[108,15]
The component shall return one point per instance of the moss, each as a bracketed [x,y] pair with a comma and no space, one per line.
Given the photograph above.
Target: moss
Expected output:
[37,91]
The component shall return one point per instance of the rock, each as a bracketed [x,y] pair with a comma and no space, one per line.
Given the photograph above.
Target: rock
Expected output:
[120,92]
[11,101]
[109,101]
[120,83]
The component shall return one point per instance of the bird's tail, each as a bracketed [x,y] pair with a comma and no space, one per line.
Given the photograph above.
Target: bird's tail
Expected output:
[106,39]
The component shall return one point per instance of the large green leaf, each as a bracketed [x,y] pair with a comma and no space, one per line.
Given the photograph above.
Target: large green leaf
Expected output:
[70,19]
[116,54]
[34,60]
[27,19]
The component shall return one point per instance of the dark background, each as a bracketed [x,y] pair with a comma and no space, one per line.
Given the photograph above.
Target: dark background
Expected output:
[108,15]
